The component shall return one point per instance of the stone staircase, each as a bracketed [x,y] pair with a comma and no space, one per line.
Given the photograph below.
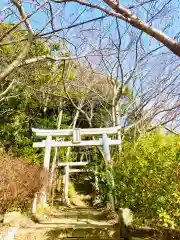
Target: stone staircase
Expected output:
[71,224]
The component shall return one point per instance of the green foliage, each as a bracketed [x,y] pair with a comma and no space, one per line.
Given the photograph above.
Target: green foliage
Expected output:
[104,175]
[26,105]
[146,177]
[72,192]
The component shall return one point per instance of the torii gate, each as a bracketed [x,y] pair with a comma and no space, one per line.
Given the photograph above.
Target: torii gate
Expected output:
[76,134]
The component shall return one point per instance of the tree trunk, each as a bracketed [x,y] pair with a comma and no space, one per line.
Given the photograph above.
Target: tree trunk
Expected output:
[73,126]
[118,117]
[59,121]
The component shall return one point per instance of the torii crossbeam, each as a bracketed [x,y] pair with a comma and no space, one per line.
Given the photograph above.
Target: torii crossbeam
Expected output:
[76,139]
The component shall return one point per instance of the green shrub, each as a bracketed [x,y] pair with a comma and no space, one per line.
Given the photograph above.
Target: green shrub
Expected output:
[146,178]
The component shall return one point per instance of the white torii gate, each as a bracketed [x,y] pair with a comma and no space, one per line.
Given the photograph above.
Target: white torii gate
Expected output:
[76,134]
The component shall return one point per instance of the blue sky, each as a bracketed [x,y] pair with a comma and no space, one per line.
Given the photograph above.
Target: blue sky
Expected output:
[39,18]
[71,11]
[70,14]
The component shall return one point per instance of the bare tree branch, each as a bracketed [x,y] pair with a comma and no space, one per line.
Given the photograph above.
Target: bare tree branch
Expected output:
[47,57]
[129,17]
[172,131]
[7,89]
[22,20]
[25,51]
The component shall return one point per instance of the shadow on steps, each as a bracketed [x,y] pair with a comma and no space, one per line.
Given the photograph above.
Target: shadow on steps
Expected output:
[80,233]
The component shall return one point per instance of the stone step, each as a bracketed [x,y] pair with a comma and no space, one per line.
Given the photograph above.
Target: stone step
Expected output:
[91,238]
[43,233]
